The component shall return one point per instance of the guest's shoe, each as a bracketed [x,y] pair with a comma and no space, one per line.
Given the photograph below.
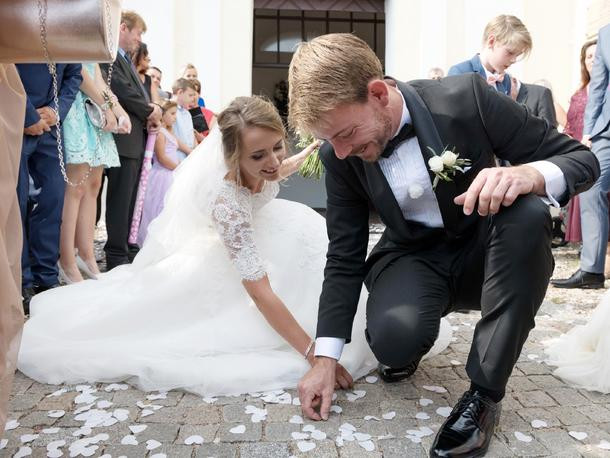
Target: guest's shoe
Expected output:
[64,278]
[469,429]
[581,279]
[84,268]
[27,294]
[391,375]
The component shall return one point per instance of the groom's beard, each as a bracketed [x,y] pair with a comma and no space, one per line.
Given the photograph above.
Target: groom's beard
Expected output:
[383,137]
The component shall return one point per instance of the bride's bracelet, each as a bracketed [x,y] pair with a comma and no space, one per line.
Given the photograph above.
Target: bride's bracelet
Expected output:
[308,349]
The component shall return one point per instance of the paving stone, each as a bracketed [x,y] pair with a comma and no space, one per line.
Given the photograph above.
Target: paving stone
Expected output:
[207,432]
[594,396]
[253,432]
[237,412]
[128,398]
[498,449]
[171,415]
[522,383]
[24,401]
[546,381]
[324,449]
[62,402]
[281,412]
[555,440]
[264,450]
[124,450]
[567,396]
[538,413]
[567,415]
[21,383]
[533,368]
[217,451]
[519,448]
[401,448]
[595,412]
[354,450]
[358,409]
[161,432]
[37,418]
[280,432]
[510,421]
[203,415]
[44,439]
[534,399]
[174,451]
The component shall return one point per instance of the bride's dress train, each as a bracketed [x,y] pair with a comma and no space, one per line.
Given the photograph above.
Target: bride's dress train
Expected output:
[179,317]
[582,355]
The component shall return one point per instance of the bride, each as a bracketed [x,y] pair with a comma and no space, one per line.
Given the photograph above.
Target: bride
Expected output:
[178,317]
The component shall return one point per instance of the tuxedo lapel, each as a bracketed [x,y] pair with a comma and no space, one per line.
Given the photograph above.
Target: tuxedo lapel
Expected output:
[127,68]
[522,95]
[428,139]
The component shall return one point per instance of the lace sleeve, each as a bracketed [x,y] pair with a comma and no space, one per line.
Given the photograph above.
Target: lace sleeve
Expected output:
[232,218]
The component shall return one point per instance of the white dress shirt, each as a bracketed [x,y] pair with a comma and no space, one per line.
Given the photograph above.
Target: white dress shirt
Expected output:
[406,167]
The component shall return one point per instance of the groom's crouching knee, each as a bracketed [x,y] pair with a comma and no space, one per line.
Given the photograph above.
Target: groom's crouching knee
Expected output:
[397,341]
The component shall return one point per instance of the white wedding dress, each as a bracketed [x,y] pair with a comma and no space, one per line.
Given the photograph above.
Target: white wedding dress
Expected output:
[179,317]
[582,355]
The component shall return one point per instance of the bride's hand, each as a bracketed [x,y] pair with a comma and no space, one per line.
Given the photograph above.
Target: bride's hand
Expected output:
[343,379]
[311,148]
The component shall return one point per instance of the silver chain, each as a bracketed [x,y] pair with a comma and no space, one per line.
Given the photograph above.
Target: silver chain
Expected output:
[42,16]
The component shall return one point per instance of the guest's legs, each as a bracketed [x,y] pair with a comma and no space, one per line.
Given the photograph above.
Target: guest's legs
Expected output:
[406,302]
[85,224]
[45,220]
[594,213]
[512,260]
[72,206]
[23,191]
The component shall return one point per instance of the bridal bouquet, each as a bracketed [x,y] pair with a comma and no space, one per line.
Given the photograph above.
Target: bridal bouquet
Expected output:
[312,166]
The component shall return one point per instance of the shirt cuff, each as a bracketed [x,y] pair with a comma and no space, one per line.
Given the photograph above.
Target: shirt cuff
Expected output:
[554,182]
[331,347]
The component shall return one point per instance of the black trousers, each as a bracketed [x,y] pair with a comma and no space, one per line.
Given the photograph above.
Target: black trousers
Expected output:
[120,201]
[502,270]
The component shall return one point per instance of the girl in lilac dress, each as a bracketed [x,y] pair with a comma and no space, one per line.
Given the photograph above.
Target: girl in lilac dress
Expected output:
[165,161]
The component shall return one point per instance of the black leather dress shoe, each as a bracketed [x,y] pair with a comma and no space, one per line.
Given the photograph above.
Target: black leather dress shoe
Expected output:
[391,375]
[581,279]
[27,293]
[469,428]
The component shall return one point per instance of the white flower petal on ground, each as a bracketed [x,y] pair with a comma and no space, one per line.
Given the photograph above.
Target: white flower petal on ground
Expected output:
[193,440]
[130,439]
[146,413]
[239,429]
[135,429]
[336,409]
[23,451]
[604,445]
[414,439]
[522,437]
[298,436]
[3,443]
[50,430]
[318,435]
[426,431]
[355,395]
[578,435]
[55,453]
[361,437]
[155,396]
[369,446]
[371,379]
[56,444]
[209,400]
[56,413]
[57,393]
[84,431]
[422,416]
[83,409]
[455,362]
[345,427]
[121,414]
[371,417]
[539,424]
[158,455]
[425,402]
[389,415]
[25,438]
[296,401]
[116,387]
[85,398]
[533,356]
[296,419]
[444,411]
[434,388]
[305,446]
[103,404]
[152,444]
[89,451]
[312,428]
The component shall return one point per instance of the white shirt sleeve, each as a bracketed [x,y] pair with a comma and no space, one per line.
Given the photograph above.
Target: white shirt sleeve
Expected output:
[554,181]
[331,347]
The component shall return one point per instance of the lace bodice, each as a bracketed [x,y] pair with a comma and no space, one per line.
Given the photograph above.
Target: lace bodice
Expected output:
[232,213]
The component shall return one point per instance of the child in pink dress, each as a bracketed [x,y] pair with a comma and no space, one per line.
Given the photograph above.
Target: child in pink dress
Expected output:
[165,161]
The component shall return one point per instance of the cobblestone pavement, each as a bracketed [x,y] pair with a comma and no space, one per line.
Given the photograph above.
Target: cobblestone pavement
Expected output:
[542,416]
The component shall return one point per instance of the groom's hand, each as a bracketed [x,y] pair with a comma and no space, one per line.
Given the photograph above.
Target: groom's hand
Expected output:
[498,186]
[316,388]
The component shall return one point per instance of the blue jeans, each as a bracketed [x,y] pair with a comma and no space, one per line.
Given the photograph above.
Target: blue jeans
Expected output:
[594,213]
[40,215]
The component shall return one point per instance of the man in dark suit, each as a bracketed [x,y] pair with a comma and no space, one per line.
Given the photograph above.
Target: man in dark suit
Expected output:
[40,161]
[538,99]
[437,254]
[123,180]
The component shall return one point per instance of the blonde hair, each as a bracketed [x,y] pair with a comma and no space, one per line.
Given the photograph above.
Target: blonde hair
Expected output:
[509,31]
[326,72]
[188,66]
[168,105]
[184,84]
[132,19]
[245,112]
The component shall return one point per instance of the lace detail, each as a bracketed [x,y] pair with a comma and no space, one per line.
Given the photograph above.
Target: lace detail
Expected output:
[232,215]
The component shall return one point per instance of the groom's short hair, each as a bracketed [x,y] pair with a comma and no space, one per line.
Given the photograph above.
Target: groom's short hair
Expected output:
[326,72]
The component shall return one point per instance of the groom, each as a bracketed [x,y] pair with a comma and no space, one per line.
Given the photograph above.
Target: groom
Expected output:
[478,241]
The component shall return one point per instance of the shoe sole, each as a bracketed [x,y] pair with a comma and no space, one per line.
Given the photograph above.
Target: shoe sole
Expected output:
[601,286]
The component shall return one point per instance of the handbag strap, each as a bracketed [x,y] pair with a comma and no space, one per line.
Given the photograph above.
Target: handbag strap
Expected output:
[42,15]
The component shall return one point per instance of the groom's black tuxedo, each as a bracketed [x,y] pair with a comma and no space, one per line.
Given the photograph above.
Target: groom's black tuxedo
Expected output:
[432,267]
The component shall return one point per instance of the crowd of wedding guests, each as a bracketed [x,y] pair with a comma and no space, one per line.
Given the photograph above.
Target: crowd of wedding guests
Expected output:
[106,113]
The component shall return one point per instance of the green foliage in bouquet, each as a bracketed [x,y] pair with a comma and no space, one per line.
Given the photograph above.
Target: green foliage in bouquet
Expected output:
[312,166]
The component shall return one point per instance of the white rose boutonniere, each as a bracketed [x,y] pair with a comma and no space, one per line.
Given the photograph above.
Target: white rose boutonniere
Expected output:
[445,165]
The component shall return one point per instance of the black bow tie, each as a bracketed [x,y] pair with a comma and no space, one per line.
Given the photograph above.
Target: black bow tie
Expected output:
[403,134]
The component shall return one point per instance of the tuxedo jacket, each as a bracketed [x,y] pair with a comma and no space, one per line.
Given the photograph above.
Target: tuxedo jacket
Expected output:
[474,65]
[128,89]
[539,100]
[462,113]
[597,113]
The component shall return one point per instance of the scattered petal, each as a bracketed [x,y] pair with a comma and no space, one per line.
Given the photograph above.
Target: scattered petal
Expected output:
[578,435]
[83,409]
[539,424]
[389,415]
[312,428]
[422,416]
[25,438]
[356,394]
[604,445]
[414,439]
[116,387]
[240,429]
[146,413]
[160,395]
[336,409]
[371,379]
[533,356]
[121,414]
[84,431]
[57,393]
[298,436]
[157,455]
[135,429]
[522,437]
[296,419]
[455,362]
[209,400]
[85,398]
[54,453]
[425,402]
[369,446]
[306,446]
[361,437]
[296,401]
[56,444]
[345,427]
[103,404]
[152,444]
[129,440]
[371,417]
[194,440]
[318,435]
[50,430]
[11,424]
[23,451]
[56,413]
[444,411]
[434,388]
